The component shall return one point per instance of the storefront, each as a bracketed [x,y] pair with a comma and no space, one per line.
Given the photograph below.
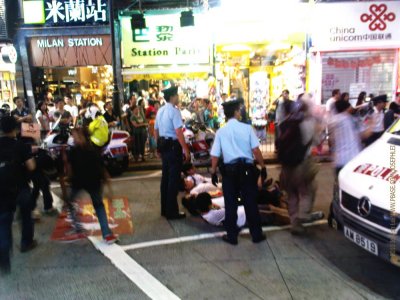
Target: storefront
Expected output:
[259,54]
[357,52]
[165,53]
[8,89]
[66,49]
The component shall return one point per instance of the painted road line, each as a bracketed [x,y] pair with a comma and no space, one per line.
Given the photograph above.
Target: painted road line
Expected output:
[128,178]
[204,236]
[135,272]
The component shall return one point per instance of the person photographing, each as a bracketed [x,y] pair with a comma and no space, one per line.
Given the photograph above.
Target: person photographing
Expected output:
[170,143]
[238,145]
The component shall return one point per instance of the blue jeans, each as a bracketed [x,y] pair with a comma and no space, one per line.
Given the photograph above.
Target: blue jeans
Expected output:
[97,200]
[6,219]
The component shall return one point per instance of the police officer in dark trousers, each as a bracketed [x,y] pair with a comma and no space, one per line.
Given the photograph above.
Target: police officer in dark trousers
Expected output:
[170,142]
[237,144]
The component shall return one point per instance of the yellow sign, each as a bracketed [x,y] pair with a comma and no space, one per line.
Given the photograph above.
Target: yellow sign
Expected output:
[164,42]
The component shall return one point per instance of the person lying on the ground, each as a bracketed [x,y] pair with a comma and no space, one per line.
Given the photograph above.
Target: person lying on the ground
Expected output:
[212,210]
[194,190]
[190,172]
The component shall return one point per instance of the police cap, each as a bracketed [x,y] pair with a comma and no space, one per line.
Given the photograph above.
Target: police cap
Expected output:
[379,99]
[170,92]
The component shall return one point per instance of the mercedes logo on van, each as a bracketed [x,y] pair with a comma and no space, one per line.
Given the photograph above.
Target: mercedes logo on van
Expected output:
[364,207]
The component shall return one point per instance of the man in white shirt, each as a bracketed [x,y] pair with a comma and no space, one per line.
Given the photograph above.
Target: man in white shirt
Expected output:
[213,212]
[330,103]
[377,119]
[71,108]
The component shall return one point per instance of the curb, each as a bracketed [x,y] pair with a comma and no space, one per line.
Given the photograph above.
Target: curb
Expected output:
[154,166]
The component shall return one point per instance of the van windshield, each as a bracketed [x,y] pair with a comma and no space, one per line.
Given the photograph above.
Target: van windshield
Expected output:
[395,128]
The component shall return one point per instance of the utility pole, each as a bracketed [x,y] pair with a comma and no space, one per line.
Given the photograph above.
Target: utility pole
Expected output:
[115,98]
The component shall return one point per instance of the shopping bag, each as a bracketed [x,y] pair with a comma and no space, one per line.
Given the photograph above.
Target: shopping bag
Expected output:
[30,130]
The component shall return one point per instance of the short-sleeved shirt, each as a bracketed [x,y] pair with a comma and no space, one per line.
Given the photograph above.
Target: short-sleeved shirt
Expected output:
[235,140]
[168,120]
[22,152]
[20,113]
[73,110]
[110,118]
[46,120]
[64,115]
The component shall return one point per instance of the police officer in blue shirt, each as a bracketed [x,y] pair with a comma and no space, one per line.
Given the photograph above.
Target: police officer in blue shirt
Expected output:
[237,144]
[170,142]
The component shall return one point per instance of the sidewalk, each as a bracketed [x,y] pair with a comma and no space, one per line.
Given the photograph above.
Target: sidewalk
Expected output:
[155,164]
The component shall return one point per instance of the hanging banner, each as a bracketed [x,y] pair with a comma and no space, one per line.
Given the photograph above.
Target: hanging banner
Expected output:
[356,25]
[165,42]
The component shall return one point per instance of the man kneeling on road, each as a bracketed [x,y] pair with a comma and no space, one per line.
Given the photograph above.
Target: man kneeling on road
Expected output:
[237,143]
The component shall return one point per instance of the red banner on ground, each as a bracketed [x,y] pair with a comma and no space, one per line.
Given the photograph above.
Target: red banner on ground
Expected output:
[118,213]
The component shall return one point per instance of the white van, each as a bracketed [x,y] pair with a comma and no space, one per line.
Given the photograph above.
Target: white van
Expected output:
[366,204]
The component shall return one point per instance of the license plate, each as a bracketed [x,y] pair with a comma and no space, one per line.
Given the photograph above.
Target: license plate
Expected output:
[361,241]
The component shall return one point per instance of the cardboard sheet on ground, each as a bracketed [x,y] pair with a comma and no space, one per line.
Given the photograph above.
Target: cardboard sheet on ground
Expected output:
[118,213]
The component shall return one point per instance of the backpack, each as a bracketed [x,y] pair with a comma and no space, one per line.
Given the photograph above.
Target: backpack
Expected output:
[8,174]
[291,151]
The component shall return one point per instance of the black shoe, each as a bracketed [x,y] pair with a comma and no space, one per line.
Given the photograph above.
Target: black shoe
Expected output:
[180,215]
[29,247]
[260,239]
[229,241]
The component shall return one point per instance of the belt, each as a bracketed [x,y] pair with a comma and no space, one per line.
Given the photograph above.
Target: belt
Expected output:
[168,138]
[241,160]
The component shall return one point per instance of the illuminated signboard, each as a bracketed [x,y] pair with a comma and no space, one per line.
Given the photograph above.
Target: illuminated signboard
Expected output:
[65,12]
[165,42]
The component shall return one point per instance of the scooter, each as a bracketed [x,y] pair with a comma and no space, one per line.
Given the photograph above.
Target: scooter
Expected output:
[199,139]
[115,152]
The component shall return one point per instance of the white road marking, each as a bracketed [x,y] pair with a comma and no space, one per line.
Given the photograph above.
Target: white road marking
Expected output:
[207,236]
[57,202]
[128,178]
[135,272]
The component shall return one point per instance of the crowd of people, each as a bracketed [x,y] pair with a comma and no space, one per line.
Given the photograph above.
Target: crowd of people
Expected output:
[246,196]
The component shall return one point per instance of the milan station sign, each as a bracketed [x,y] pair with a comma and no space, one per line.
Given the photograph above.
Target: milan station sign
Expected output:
[65,12]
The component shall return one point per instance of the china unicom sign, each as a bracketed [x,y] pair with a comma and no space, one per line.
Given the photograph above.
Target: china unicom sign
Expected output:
[3,26]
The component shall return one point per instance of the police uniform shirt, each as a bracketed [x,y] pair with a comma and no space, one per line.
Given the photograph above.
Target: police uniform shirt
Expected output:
[168,119]
[235,140]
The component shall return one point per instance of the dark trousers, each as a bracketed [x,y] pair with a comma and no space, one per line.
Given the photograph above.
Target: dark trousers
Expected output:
[241,182]
[97,199]
[171,174]
[6,219]
[140,138]
[26,205]
[42,183]
[372,138]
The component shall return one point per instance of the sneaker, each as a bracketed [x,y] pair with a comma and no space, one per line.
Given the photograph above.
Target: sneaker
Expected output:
[263,237]
[228,240]
[297,228]
[36,215]
[317,215]
[111,239]
[29,247]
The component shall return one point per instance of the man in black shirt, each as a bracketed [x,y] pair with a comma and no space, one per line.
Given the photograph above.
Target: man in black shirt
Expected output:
[15,162]
[87,172]
[21,113]
[111,118]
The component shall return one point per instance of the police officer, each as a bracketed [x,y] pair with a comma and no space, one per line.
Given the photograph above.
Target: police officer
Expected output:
[237,144]
[170,142]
